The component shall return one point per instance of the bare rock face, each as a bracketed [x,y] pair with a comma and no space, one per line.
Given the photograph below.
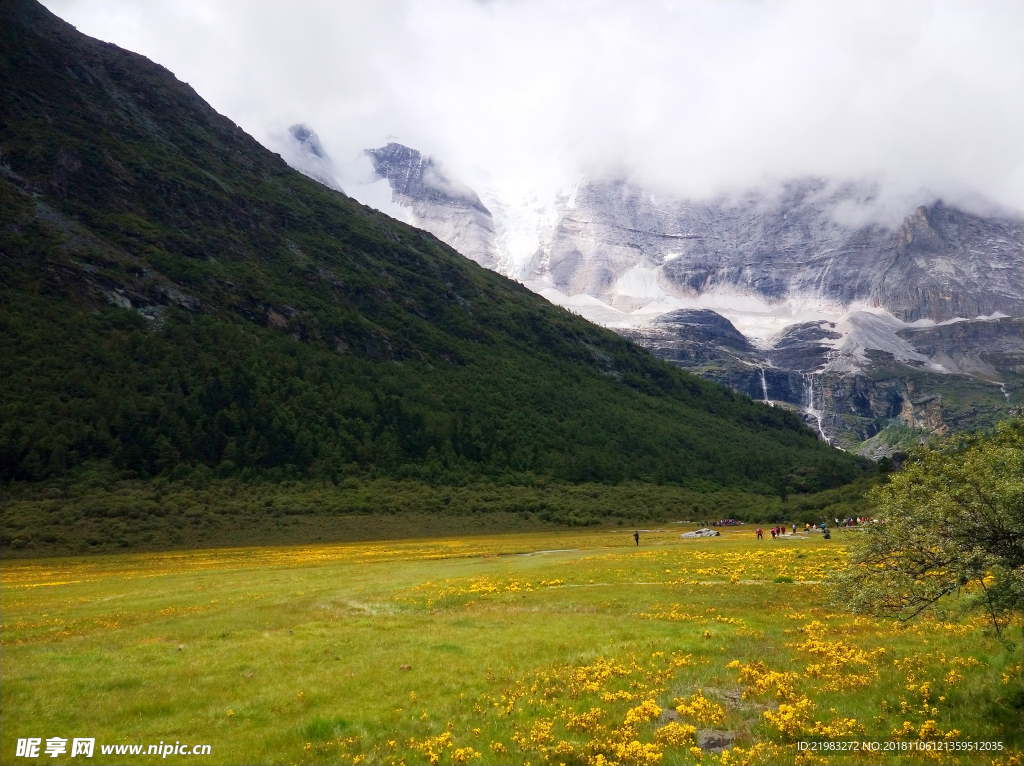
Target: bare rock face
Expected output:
[942,263]
[693,336]
[946,263]
[988,350]
[448,209]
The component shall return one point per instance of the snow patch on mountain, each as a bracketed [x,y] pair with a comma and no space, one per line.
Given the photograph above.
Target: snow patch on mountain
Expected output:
[640,282]
[523,224]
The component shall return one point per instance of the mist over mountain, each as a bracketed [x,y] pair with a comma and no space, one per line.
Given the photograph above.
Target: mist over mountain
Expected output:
[825,293]
[694,99]
[304,152]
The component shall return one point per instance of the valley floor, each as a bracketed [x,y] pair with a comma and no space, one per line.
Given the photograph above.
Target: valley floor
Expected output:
[552,647]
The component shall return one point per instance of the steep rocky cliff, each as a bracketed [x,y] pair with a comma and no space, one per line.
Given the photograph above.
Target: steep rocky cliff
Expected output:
[953,377]
[801,243]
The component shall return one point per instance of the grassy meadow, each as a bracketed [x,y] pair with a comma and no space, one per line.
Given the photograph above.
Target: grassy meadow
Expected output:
[574,647]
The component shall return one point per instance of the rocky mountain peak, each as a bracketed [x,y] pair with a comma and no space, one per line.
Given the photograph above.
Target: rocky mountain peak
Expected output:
[415,177]
[401,166]
[438,202]
[304,152]
[917,233]
[309,139]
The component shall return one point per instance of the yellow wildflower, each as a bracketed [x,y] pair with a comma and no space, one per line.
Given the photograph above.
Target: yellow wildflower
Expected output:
[676,734]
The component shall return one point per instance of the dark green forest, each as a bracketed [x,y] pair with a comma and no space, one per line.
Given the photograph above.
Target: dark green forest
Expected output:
[176,303]
[195,391]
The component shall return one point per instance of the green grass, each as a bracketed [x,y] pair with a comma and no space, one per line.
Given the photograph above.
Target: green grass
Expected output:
[295,654]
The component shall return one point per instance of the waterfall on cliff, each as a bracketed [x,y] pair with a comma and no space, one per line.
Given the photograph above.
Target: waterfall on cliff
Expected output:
[810,408]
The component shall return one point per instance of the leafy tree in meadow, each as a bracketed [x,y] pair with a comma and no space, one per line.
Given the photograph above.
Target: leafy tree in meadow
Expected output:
[952,519]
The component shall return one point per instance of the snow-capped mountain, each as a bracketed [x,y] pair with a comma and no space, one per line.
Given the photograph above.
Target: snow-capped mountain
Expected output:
[828,297]
[854,321]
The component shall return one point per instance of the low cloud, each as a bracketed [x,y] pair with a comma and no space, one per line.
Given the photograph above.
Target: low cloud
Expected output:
[696,98]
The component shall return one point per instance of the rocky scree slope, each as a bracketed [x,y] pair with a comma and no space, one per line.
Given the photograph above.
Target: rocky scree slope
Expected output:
[176,299]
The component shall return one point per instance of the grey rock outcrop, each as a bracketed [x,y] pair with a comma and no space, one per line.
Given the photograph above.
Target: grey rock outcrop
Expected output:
[705,532]
[990,350]
[715,741]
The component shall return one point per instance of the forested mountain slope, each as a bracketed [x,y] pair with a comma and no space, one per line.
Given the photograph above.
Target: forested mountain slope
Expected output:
[175,298]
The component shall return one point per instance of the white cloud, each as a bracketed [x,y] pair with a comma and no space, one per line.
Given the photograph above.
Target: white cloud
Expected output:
[696,97]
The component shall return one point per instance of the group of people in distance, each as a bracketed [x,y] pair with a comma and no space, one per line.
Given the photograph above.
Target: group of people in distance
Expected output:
[779,531]
[852,522]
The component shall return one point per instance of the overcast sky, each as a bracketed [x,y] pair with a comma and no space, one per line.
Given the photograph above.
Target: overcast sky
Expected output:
[694,96]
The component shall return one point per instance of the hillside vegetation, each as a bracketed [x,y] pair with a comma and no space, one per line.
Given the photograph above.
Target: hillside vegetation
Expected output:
[176,302]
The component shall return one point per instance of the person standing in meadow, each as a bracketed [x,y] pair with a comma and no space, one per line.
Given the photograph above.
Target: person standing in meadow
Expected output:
[760,536]
[636,536]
